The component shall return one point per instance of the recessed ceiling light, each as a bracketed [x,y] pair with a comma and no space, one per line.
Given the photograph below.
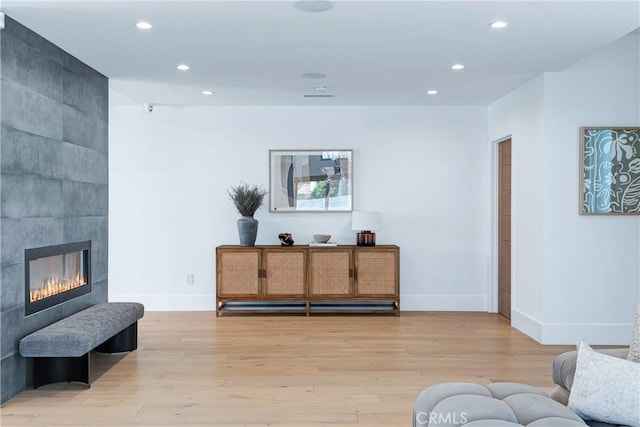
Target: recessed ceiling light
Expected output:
[498,24]
[457,67]
[432,92]
[321,88]
[144,25]
[207,92]
[183,67]
[313,5]
[314,75]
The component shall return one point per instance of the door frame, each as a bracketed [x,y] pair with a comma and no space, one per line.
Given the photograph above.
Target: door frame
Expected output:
[492,300]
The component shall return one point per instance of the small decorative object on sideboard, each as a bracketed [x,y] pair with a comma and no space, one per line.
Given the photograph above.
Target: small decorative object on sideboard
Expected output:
[247,199]
[286,239]
[365,223]
[322,241]
[321,238]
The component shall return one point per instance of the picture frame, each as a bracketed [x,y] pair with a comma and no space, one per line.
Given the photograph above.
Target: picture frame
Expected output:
[610,170]
[310,180]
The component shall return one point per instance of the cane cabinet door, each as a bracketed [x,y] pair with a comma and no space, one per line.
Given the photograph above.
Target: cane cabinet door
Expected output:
[284,273]
[376,272]
[238,272]
[330,273]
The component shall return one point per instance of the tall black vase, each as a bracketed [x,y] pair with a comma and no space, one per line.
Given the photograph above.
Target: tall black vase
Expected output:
[247,230]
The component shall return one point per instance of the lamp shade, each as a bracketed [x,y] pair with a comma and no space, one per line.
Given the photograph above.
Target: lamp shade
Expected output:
[365,220]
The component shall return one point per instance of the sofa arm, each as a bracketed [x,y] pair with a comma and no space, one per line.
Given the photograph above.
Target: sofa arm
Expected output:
[560,394]
[564,365]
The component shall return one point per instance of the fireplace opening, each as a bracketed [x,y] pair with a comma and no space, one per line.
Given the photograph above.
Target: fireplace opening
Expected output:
[55,274]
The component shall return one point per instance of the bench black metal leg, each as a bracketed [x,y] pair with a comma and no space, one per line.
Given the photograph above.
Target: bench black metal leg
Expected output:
[47,370]
[125,340]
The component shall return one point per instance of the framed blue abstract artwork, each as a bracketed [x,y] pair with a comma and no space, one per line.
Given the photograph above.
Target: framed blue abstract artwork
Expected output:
[610,170]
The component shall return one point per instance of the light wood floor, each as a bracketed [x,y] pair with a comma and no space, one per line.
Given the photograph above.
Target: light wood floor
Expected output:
[193,369]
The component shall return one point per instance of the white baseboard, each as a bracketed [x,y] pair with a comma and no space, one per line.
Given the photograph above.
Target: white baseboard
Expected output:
[527,325]
[443,302]
[571,333]
[170,302]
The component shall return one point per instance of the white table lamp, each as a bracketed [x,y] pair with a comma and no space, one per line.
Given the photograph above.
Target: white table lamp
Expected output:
[365,223]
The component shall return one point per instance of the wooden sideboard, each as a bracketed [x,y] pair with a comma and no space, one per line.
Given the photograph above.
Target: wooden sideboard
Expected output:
[307,279]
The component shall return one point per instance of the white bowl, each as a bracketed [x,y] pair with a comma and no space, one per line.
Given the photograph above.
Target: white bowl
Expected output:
[321,238]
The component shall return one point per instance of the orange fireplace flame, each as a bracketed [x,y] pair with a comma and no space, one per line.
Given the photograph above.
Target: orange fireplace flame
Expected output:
[55,285]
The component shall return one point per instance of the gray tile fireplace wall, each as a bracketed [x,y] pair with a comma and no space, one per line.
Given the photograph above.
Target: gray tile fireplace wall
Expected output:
[53,180]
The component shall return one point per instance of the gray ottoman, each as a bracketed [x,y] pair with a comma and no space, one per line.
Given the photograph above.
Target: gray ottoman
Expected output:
[494,405]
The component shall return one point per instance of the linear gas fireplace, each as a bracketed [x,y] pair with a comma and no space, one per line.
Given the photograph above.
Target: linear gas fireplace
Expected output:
[55,274]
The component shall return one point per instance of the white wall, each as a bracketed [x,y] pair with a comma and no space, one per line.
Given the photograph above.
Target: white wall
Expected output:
[425,169]
[586,285]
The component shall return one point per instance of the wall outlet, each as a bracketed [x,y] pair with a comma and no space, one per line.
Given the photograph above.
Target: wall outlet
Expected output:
[191,279]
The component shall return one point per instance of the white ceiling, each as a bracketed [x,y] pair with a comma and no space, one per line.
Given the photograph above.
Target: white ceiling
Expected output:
[373,52]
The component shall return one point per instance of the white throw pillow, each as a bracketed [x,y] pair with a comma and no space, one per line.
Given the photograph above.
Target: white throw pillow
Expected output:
[634,348]
[605,388]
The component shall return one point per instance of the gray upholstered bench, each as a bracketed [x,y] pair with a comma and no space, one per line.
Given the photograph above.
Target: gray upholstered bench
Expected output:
[61,350]
[494,405]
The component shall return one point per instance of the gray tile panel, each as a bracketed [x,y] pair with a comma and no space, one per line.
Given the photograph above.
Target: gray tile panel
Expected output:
[99,292]
[30,196]
[26,153]
[29,111]
[85,94]
[12,279]
[99,265]
[43,46]
[21,233]
[84,165]
[13,330]
[13,369]
[82,129]
[24,65]
[82,199]
[94,228]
